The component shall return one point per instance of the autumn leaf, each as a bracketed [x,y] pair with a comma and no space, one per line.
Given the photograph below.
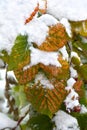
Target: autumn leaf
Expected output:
[57,38]
[45,100]
[24,76]
[61,73]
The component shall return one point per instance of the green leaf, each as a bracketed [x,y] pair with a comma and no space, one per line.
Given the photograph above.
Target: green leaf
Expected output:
[82,120]
[75,61]
[82,71]
[44,100]
[20,53]
[40,122]
[4,56]
[79,27]
[19,95]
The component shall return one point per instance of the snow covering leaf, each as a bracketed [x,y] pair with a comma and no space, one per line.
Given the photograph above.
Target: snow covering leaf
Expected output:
[40,122]
[19,56]
[57,38]
[45,100]
[61,73]
[24,76]
[79,27]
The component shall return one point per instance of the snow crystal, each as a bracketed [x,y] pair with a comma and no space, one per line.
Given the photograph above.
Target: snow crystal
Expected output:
[64,121]
[74,10]
[6,122]
[43,80]
[67,26]
[46,58]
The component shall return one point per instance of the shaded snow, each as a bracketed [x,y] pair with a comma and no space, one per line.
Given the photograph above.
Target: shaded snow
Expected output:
[64,121]
[74,10]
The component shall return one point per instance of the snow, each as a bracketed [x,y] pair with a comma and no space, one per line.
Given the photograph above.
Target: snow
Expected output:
[67,26]
[64,53]
[64,121]
[74,54]
[37,31]
[71,100]
[83,109]
[6,122]
[11,75]
[70,82]
[3,100]
[74,10]
[46,58]
[43,81]
[73,72]
[12,17]
[49,20]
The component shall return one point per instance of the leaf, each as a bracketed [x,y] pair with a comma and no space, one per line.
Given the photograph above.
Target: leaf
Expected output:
[20,54]
[61,73]
[56,39]
[75,61]
[4,56]
[24,76]
[19,95]
[82,120]
[79,28]
[82,71]
[44,100]
[40,122]
[80,89]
